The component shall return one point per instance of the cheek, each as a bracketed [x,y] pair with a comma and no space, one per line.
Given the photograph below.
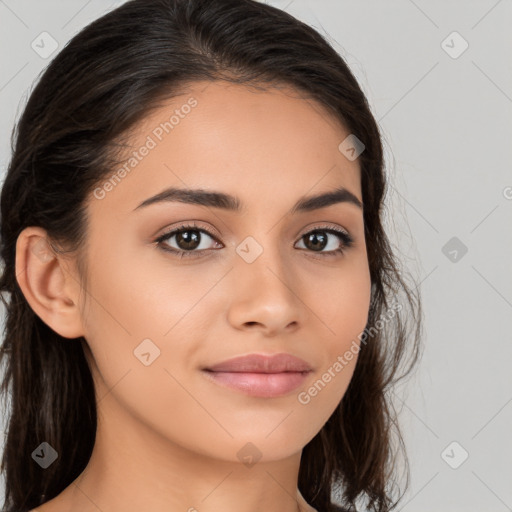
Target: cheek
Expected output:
[138,312]
[344,304]
[139,295]
[138,329]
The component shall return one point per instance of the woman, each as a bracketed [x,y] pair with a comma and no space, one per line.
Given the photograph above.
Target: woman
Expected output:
[205,312]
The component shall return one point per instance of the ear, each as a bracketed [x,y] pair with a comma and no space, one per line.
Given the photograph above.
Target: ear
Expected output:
[47,284]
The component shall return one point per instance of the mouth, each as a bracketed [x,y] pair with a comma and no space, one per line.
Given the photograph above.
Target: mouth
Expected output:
[259,384]
[260,375]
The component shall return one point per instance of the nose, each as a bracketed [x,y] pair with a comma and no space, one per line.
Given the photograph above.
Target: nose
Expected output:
[266,296]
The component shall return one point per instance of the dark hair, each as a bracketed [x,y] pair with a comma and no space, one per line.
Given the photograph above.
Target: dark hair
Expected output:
[107,79]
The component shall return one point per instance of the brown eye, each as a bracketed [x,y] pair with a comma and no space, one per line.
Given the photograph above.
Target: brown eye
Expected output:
[318,239]
[190,241]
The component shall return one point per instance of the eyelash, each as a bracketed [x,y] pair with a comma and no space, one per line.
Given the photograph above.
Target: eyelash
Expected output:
[342,235]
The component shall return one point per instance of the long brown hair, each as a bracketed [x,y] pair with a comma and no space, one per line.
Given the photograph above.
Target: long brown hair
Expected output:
[105,80]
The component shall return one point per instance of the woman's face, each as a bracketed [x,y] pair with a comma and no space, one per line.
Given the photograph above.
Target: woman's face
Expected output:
[250,283]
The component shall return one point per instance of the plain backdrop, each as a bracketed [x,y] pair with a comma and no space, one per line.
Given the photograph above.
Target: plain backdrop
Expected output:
[438,76]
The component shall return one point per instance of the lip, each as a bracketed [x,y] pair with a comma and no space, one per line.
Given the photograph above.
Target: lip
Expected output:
[260,363]
[260,375]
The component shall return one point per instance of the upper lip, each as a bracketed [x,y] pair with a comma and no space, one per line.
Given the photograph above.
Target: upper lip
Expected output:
[259,363]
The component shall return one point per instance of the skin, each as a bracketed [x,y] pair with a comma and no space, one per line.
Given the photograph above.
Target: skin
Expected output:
[167,437]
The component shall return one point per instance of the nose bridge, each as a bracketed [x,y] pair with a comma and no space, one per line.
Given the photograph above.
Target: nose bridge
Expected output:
[261,260]
[264,289]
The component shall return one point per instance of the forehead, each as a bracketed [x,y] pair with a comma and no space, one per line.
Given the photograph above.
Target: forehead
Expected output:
[262,146]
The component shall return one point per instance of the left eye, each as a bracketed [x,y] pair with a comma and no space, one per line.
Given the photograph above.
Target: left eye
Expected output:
[317,237]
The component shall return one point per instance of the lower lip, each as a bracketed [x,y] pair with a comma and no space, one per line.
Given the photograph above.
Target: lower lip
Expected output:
[265,385]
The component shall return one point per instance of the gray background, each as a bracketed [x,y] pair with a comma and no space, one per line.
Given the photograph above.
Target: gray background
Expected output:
[446,120]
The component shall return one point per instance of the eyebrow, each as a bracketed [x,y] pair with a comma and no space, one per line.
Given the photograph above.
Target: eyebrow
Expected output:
[228,202]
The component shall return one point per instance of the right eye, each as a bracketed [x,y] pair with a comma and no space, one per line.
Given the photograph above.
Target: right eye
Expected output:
[188,238]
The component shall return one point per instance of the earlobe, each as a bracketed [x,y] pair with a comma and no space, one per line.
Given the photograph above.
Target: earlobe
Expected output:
[47,285]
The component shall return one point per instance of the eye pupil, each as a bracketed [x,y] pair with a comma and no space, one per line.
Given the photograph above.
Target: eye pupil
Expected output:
[314,238]
[191,239]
